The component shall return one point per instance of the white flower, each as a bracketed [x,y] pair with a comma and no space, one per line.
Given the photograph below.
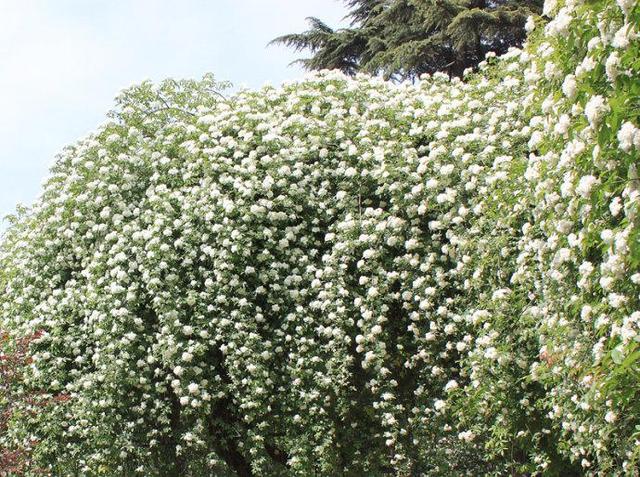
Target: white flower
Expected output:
[501,294]
[535,139]
[606,282]
[616,300]
[267,182]
[451,385]
[615,206]
[607,236]
[569,86]
[585,185]
[491,353]
[627,135]
[439,404]
[549,7]
[530,25]
[193,388]
[610,417]
[447,169]
[587,65]
[560,24]
[595,109]
[623,37]
[611,66]
[563,124]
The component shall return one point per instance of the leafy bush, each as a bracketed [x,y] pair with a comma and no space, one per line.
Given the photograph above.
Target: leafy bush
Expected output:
[346,276]
[17,403]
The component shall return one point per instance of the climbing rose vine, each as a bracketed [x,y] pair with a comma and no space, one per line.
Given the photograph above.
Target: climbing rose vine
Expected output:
[347,276]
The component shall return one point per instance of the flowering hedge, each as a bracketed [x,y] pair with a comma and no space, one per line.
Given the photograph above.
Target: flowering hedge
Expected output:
[347,276]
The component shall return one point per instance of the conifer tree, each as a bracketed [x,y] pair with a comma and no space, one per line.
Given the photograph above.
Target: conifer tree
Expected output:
[402,39]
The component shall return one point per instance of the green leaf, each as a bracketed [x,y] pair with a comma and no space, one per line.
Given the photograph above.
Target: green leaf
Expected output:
[617,355]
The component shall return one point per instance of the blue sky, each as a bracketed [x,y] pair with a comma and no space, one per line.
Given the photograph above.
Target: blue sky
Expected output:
[63,61]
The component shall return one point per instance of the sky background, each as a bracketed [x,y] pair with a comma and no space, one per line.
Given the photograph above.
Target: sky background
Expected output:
[63,62]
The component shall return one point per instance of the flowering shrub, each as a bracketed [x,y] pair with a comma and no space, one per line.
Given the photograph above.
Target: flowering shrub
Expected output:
[13,459]
[348,276]
[16,403]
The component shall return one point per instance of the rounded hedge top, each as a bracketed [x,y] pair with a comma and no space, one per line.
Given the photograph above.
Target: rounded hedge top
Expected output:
[346,276]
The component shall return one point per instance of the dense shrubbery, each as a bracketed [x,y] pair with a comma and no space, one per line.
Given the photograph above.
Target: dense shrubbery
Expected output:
[347,276]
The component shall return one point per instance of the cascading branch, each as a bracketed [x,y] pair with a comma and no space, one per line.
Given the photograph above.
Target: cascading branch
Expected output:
[347,276]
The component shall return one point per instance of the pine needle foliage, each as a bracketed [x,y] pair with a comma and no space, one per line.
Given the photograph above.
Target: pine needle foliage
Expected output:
[402,39]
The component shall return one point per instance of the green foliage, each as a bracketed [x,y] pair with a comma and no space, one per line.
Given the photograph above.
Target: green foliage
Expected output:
[403,39]
[347,276]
